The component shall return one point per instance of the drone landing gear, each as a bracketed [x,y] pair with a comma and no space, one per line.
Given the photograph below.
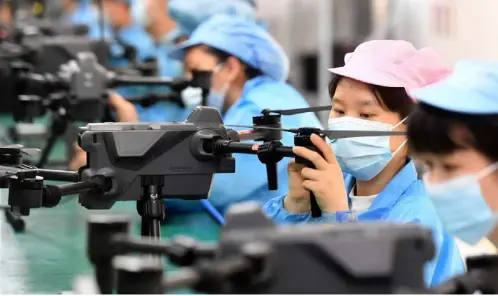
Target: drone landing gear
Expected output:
[57,129]
[151,207]
[15,220]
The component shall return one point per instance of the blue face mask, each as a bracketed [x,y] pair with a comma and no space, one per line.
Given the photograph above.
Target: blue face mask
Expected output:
[216,99]
[365,157]
[461,206]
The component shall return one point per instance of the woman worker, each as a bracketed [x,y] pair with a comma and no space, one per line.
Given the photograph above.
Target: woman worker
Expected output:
[453,132]
[249,72]
[371,178]
[169,23]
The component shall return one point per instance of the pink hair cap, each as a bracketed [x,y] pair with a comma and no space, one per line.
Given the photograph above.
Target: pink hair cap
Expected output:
[393,63]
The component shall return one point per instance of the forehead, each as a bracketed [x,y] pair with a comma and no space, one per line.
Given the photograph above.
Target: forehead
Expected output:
[349,90]
[198,55]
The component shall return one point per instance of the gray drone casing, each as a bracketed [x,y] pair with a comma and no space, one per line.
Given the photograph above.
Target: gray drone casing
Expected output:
[126,152]
[349,258]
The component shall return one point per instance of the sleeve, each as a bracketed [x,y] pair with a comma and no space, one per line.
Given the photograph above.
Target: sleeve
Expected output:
[275,210]
[447,261]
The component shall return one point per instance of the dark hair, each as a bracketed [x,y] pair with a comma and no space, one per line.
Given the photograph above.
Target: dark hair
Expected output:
[434,130]
[222,57]
[394,99]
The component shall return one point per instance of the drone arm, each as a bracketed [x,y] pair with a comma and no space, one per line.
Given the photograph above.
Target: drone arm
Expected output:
[182,251]
[52,194]
[57,175]
[145,81]
[224,146]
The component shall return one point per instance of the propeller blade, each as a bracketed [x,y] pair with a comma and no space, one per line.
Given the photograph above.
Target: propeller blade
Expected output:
[30,151]
[329,133]
[13,146]
[299,110]
[26,151]
[357,134]
[255,127]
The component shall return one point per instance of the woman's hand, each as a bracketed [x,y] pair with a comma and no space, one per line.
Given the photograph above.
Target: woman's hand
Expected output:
[125,111]
[326,181]
[78,160]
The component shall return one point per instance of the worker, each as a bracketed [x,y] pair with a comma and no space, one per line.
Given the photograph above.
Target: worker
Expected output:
[79,11]
[169,23]
[190,14]
[371,178]
[452,131]
[152,16]
[249,72]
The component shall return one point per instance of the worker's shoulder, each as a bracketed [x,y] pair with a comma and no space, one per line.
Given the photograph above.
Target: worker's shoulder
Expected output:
[268,93]
[415,205]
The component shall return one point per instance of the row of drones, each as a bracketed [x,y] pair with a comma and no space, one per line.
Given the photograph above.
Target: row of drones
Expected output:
[146,163]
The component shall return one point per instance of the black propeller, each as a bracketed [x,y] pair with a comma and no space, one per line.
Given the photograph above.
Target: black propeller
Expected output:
[297,111]
[331,134]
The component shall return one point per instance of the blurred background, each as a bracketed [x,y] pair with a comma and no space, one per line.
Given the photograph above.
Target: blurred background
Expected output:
[327,29]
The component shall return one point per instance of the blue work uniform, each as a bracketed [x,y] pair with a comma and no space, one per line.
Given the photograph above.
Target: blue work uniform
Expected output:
[138,38]
[83,14]
[404,200]
[249,182]
[164,111]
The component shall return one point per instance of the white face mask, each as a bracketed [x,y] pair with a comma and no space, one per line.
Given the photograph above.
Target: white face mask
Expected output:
[363,157]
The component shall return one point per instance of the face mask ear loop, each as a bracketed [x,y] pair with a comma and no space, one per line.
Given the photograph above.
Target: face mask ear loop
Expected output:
[402,144]
[487,171]
[399,148]
[400,123]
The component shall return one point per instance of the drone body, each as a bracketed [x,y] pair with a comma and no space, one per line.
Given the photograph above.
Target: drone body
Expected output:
[173,152]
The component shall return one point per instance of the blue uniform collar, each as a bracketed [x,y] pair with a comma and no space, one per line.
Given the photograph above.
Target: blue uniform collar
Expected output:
[253,83]
[394,190]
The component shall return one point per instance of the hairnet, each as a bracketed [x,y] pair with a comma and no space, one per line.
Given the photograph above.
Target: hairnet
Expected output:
[189,14]
[243,39]
[471,89]
[393,63]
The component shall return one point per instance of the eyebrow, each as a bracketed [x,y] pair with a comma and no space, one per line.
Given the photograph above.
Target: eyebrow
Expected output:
[363,102]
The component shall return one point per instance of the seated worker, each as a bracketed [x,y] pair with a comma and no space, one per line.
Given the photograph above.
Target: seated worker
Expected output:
[452,131]
[126,32]
[249,69]
[170,23]
[152,16]
[371,178]
[79,12]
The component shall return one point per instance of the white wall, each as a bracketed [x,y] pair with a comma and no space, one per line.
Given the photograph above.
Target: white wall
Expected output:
[473,29]
[471,25]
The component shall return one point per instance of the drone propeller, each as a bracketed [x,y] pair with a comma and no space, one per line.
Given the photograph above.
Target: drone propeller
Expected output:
[297,111]
[26,151]
[331,134]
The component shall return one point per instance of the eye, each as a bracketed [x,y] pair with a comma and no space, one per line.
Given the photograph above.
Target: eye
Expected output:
[449,167]
[366,115]
[338,111]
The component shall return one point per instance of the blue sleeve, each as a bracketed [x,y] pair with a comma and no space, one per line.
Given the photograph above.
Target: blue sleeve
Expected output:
[447,261]
[162,112]
[275,210]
